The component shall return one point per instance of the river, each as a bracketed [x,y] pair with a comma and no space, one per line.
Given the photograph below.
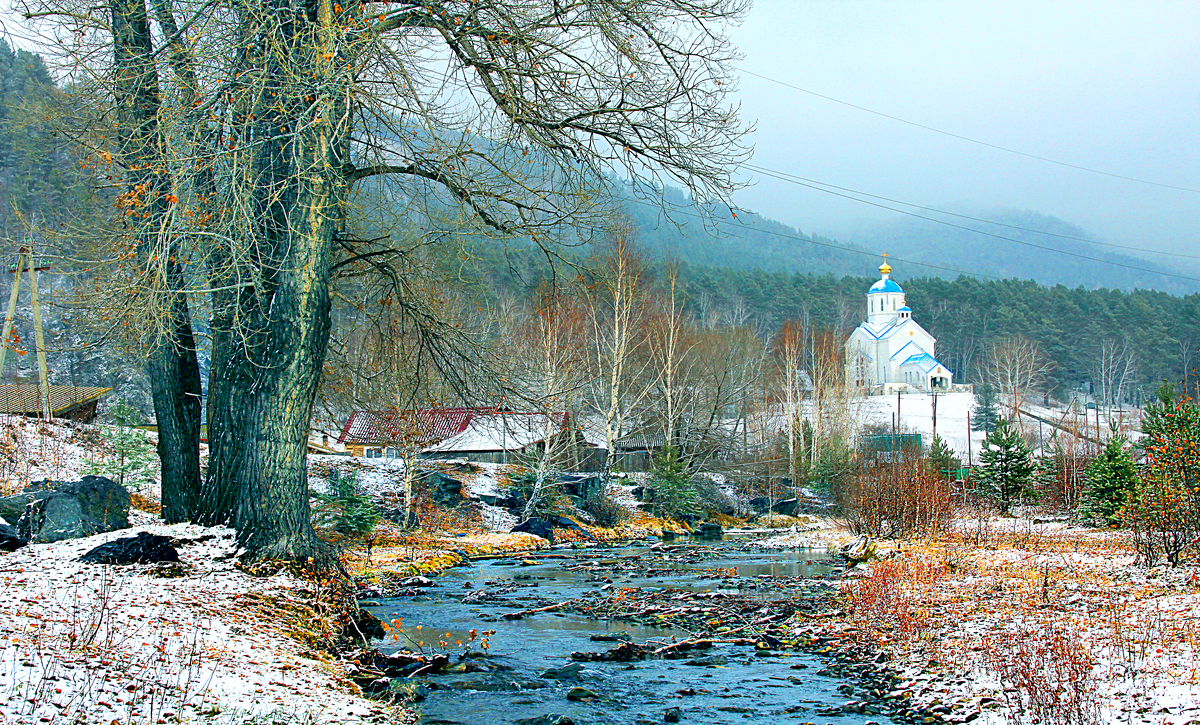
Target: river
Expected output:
[521,679]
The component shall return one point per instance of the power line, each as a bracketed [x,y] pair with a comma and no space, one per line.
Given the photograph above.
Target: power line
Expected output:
[831,245]
[972,140]
[1126,247]
[976,231]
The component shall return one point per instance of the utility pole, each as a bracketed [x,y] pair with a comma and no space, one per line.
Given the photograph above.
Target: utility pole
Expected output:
[968,439]
[25,260]
[934,417]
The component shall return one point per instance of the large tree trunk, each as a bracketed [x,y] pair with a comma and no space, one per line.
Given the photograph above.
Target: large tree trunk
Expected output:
[272,349]
[171,365]
[175,387]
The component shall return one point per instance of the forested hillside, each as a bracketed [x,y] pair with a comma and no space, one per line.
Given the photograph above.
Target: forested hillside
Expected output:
[1162,331]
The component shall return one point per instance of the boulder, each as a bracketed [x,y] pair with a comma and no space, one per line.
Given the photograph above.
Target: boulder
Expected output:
[10,540]
[55,510]
[446,490]
[568,672]
[860,550]
[760,504]
[145,548]
[537,527]
[575,694]
[709,530]
[787,507]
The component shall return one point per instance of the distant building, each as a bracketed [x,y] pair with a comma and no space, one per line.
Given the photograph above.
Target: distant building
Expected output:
[66,401]
[474,434]
[890,351]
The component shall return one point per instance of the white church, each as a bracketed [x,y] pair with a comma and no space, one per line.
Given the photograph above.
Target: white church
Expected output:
[890,352]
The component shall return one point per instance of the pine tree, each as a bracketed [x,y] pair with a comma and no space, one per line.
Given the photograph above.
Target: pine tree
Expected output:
[942,459]
[985,415]
[1006,471]
[1111,477]
[127,454]
[674,494]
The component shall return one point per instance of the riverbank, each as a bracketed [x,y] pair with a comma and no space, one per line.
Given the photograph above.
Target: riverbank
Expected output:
[1012,619]
[201,641]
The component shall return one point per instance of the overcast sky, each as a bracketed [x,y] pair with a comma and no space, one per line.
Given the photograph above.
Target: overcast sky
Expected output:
[1108,85]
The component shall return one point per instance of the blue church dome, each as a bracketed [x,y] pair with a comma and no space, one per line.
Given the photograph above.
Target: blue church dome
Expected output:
[885,285]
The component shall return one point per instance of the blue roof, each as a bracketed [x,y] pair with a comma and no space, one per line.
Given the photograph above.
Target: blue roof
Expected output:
[905,308]
[885,285]
[925,361]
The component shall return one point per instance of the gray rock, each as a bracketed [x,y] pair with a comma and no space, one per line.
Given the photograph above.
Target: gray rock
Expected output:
[446,490]
[860,550]
[10,540]
[145,548]
[55,510]
[567,672]
[787,507]
[580,693]
[548,719]
[673,715]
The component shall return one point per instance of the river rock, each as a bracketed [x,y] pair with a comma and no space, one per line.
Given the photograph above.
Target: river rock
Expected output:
[709,530]
[612,637]
[10,540]
[145,548]
[416,581]
[860,550]
[537,527]
[575,694]
[673,714]
[548,719]
[566,672]
[55,510]
[759,504]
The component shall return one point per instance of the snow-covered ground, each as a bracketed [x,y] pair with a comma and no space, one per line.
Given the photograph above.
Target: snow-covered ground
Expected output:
[916,416]
[84,643]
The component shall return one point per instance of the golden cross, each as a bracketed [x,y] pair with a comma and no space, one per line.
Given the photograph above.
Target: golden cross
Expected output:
[885,255]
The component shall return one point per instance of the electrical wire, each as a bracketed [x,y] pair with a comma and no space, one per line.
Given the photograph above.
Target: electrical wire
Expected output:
[979,231]
[968,139]
[1126,247]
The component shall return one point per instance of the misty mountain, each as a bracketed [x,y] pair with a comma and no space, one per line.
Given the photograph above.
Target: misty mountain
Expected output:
[1044,248]
[753,242]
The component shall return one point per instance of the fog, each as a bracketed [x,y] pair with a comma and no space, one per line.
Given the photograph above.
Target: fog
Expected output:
[1113,86]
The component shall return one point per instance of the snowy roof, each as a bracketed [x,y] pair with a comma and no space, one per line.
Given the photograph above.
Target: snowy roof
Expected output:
[881,330]
[501,432]
[907,350]
[885,285]
[924,360]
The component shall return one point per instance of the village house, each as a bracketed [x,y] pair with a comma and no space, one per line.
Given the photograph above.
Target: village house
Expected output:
[473,434]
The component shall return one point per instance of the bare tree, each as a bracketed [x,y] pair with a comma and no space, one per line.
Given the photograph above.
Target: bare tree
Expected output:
[1114,373]
[616,314]
[476,115]
[1016,368]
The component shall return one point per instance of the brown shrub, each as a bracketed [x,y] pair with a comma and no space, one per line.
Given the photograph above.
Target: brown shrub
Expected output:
[1047,674]
[895,500]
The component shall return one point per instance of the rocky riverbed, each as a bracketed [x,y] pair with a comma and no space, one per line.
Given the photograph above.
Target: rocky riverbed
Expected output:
[703,631]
